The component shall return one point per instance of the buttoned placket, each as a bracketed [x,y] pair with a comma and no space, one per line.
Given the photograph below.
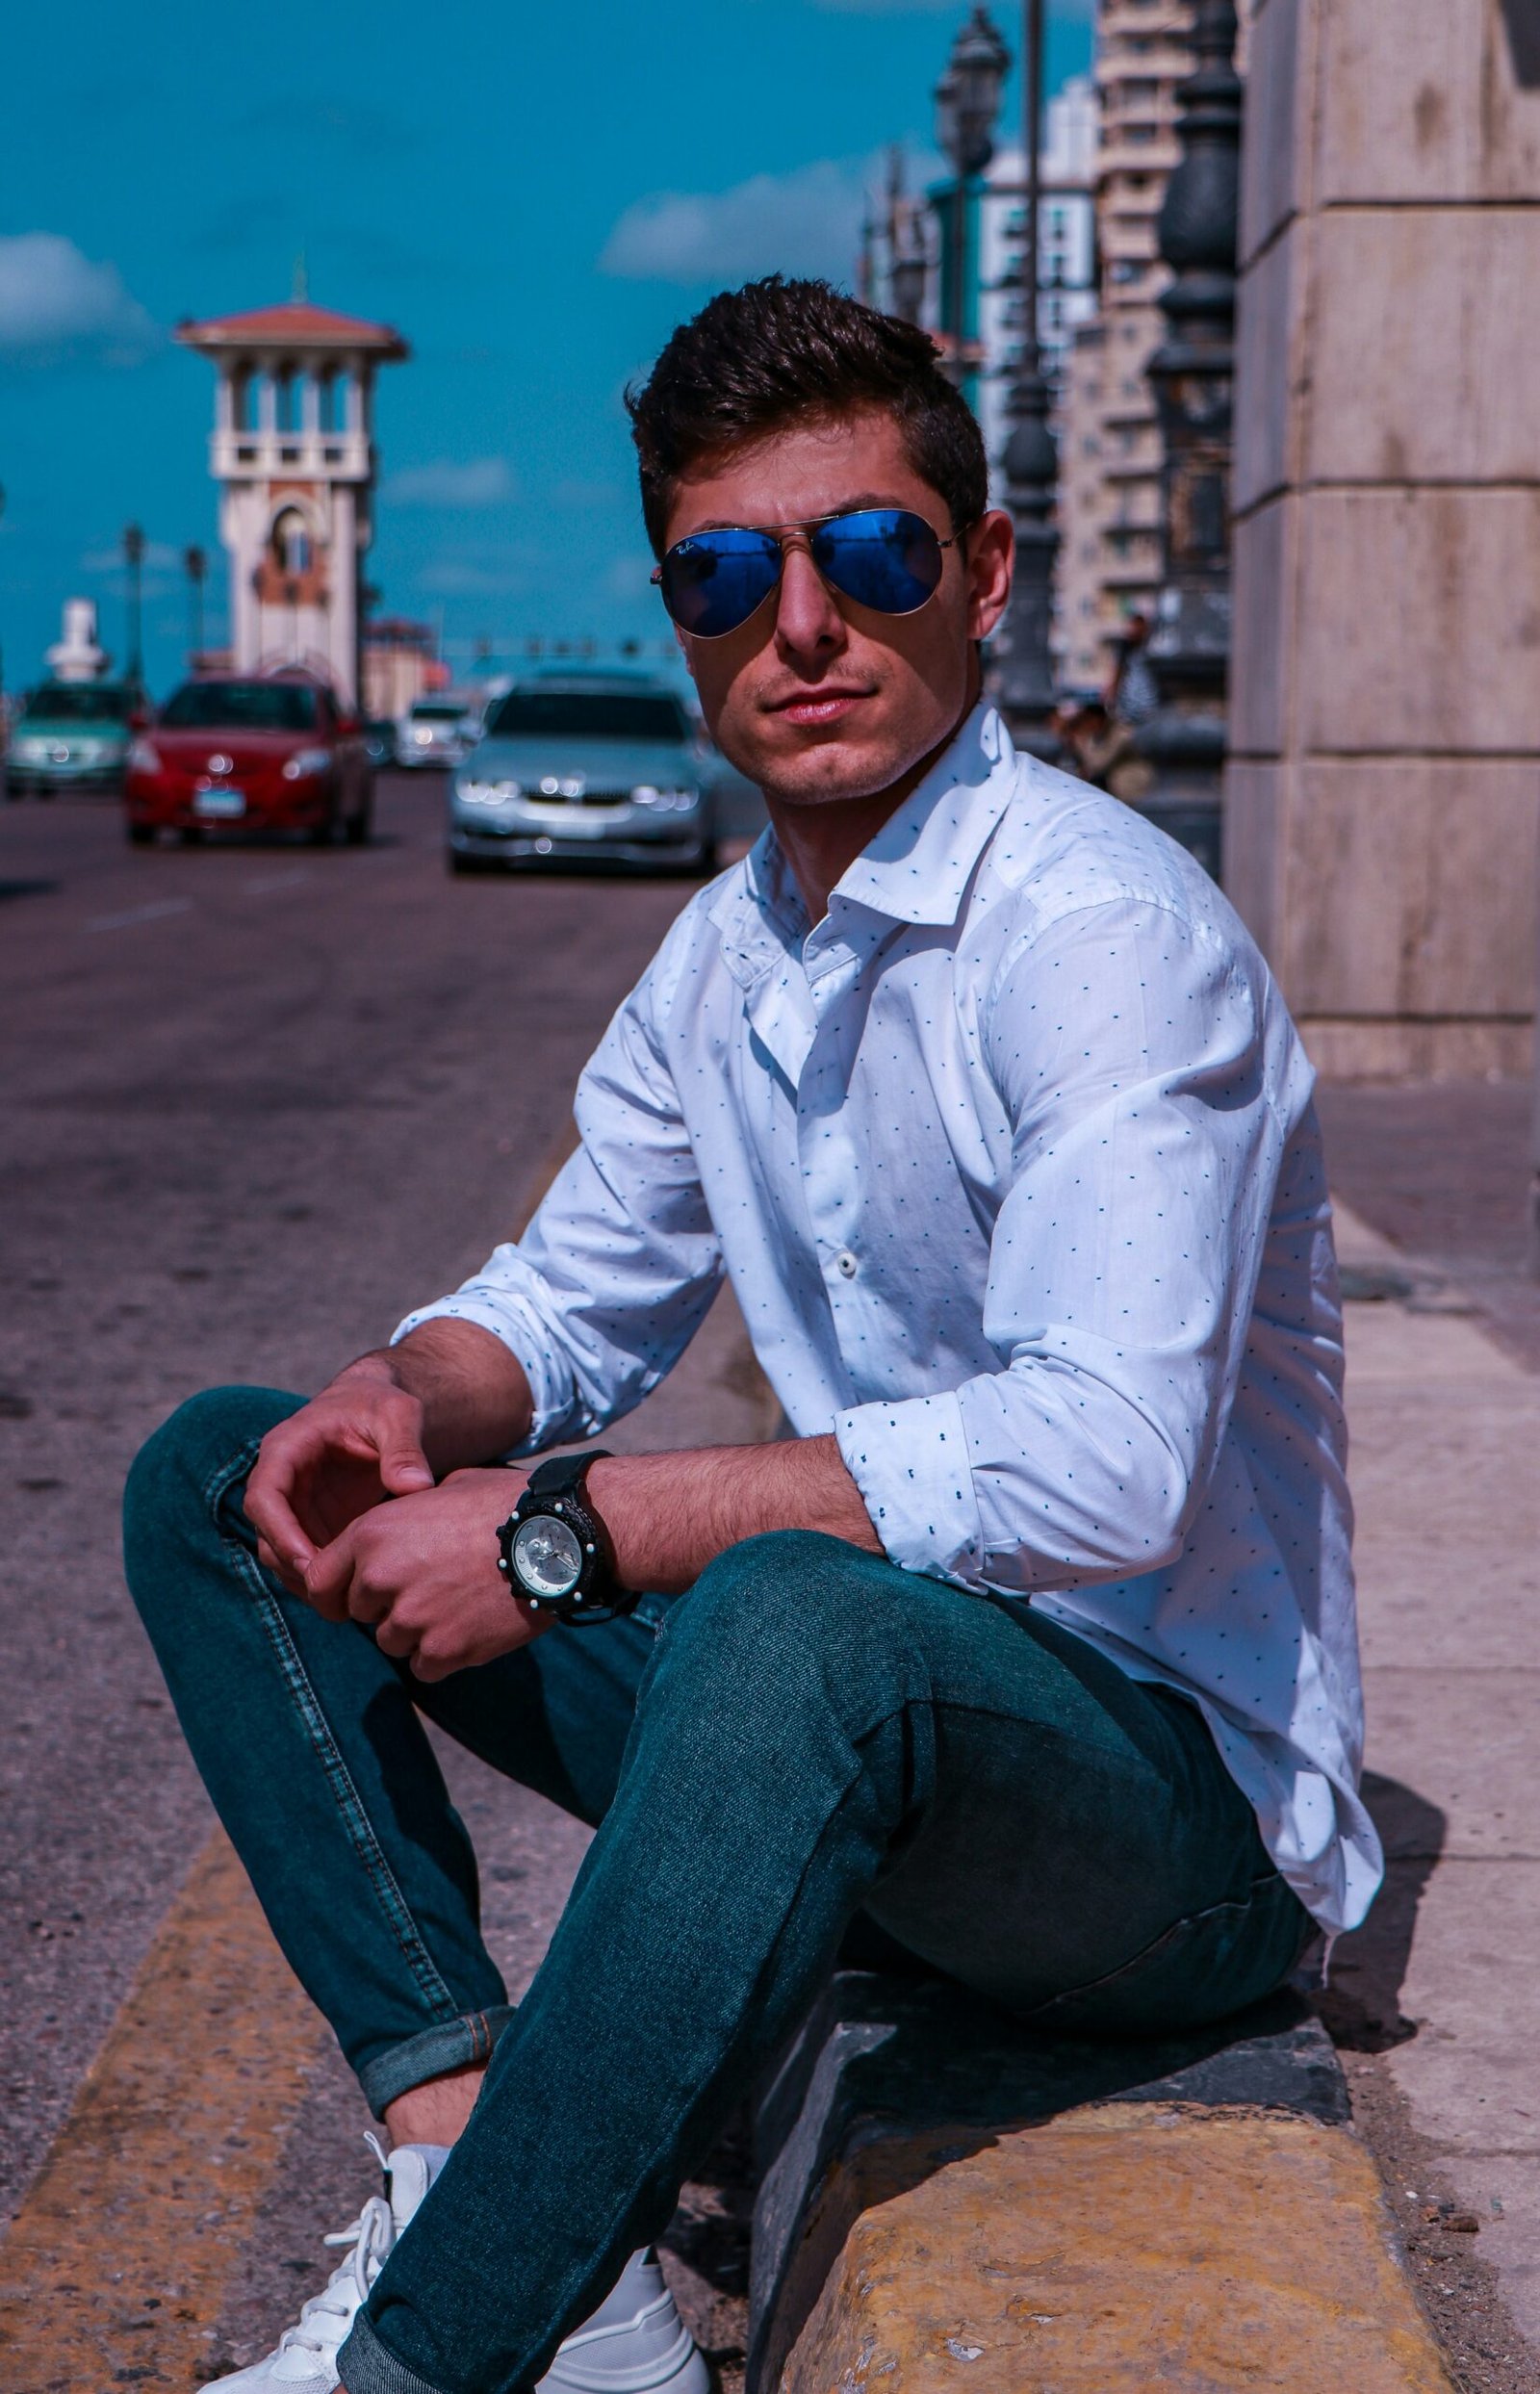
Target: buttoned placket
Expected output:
[835,955]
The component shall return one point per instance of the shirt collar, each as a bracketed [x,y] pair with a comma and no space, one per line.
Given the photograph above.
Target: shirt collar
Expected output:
[916,870]
[919,864]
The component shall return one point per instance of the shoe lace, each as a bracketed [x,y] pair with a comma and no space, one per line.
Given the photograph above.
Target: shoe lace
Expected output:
[325,2319]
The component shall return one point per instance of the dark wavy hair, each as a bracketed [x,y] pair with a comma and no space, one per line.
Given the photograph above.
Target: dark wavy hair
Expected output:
[778,353]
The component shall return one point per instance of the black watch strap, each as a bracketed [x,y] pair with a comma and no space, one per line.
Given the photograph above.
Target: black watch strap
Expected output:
[563,1475]
[557,1485]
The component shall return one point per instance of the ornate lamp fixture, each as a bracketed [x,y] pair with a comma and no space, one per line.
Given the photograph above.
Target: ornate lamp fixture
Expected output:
[967,102]
[1024,679]
[1192,375]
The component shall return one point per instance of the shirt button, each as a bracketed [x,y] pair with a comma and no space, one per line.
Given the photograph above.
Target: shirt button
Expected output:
[845,1264]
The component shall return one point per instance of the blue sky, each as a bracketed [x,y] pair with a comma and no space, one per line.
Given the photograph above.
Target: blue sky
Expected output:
[533,194]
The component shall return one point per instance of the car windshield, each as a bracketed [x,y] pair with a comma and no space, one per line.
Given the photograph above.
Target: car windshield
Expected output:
[242,706]
[437,714]
[76,701]
[587,716]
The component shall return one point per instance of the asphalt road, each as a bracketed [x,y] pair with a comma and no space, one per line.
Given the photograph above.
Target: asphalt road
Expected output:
[257,1101]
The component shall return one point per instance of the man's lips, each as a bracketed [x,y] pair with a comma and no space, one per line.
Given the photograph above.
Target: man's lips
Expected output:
[815,706]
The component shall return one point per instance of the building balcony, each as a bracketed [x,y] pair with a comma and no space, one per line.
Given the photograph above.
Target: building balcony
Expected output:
[262,456]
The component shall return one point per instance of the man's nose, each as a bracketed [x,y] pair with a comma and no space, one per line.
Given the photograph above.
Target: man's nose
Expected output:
[807,617]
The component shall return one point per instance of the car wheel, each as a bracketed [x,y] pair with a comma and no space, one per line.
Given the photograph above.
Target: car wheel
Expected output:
[321,834]
[357,827]
[191,836]
[458,863]
[139,835]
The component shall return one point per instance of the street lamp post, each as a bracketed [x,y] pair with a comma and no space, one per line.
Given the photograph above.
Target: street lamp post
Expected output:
[1193,376]
[196,566]
[967,102]
[908,267]
[1024,686]
[134,559]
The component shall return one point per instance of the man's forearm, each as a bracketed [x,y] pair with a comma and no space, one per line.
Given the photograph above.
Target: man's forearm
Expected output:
[670,1515]
[474,1395]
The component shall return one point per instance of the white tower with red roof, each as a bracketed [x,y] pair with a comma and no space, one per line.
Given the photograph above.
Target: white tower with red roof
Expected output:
[293,452]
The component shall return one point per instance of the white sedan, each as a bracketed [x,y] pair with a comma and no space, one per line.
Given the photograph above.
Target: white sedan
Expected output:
[438,730]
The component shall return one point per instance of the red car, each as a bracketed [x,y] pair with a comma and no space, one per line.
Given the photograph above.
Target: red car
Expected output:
[268,752]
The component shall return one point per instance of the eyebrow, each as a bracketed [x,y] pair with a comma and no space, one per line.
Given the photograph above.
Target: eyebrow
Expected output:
[846,506]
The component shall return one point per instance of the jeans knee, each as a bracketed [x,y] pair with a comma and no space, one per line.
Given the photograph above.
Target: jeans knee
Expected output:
[795,1612]
[177,1470]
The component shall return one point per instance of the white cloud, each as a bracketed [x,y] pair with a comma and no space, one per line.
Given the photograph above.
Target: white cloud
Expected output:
[160,557]
[573,490]
[469,578]
[627,577]
[57,302]
[804,222]
[477,482]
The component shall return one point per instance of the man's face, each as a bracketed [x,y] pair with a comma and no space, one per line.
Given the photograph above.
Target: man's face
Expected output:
[815,698]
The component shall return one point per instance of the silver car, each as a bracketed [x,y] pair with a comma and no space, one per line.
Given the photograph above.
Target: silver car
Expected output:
[435,730]
[586,766]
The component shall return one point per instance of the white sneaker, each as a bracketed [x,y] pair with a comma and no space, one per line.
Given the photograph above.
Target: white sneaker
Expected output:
[304,2358]
[636,2343]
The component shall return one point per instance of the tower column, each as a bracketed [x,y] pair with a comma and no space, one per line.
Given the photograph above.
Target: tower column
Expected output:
[295,599]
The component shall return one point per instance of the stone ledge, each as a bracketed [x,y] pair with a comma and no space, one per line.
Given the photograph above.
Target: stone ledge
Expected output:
[942,2190]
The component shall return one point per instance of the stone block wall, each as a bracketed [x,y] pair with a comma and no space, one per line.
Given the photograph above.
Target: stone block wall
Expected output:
[1383,797]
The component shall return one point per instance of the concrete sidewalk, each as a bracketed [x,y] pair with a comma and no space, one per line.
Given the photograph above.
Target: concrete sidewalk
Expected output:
[1436,2001]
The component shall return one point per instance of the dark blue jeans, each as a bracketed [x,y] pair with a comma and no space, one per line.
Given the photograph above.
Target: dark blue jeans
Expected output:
[809,1739]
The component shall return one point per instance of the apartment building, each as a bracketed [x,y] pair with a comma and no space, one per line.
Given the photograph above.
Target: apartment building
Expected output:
[1110,446]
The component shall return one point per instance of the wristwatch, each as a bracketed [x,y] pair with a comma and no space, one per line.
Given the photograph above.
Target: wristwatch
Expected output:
[554,1551]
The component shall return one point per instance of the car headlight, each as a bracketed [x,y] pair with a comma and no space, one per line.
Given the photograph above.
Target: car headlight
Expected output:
[143,757]
[306,763]
[421,734]
[486,793]
[664,801]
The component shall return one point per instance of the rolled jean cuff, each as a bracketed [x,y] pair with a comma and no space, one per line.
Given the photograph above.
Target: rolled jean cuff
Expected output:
[365,2367]
[455,2045]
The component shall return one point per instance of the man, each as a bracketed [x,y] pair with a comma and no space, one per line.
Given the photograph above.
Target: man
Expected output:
[1034,1649]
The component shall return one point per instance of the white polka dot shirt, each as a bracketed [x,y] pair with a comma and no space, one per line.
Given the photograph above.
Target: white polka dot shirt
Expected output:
[1013,1166]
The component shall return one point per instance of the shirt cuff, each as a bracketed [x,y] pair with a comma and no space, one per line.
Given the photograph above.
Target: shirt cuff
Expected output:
[551,1383]
[909,1460]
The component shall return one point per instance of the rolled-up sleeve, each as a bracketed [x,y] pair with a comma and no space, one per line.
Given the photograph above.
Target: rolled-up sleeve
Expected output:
[1125,1044]
[619,1264]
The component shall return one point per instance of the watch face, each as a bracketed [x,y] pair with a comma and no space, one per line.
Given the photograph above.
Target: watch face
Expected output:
[547,1557]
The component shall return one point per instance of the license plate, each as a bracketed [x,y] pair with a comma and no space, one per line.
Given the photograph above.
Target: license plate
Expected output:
[219,805]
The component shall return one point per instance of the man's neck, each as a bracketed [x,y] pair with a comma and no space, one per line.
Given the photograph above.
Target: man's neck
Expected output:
[821,841]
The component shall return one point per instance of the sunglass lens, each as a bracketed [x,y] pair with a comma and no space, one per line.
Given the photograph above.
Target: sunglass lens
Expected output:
[883,558]
[713,581]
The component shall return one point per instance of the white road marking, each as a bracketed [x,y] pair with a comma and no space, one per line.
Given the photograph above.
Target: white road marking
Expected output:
[267,882]
[149,913]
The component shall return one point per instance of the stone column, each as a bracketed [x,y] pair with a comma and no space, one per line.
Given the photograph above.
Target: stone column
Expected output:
[1383,791]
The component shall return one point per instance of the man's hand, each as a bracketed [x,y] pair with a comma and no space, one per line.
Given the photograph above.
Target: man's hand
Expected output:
[424,1571]
[340,1456]
[449,1394]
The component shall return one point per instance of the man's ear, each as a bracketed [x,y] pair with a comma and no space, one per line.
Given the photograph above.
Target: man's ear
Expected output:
[990,559]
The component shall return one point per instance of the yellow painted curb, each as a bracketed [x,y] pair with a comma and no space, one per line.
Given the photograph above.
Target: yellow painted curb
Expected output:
[1127,2246]
[114,2269]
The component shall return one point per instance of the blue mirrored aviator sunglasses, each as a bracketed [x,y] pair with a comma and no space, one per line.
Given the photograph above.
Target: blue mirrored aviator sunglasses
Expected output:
[883,558]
